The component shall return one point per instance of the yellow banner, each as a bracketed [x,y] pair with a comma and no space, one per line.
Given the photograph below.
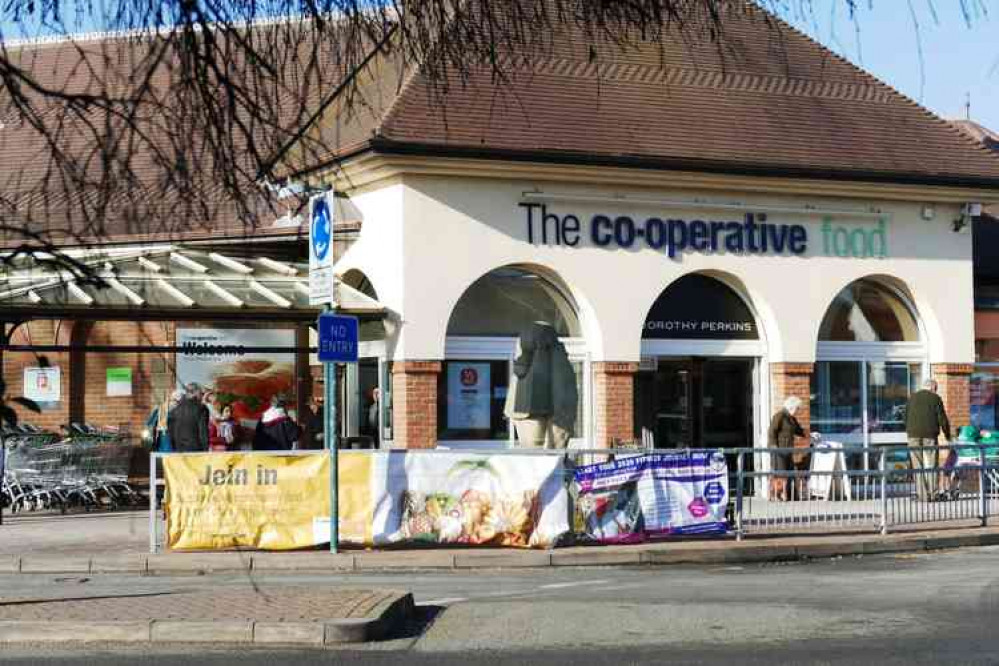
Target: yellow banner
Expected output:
[257,500]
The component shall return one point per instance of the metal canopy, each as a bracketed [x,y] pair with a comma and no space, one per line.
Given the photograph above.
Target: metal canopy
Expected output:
[169,282]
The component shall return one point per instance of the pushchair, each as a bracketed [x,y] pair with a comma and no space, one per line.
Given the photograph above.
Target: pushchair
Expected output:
[963,456]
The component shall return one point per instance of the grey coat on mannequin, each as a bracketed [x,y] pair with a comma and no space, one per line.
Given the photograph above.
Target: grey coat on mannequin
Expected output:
[544,396]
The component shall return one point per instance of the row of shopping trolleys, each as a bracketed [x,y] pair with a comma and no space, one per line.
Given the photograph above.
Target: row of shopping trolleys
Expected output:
[83,467]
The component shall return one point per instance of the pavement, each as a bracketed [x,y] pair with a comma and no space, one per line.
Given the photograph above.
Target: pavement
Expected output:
[118,543]
[345,600]
[904,608]
[314,615]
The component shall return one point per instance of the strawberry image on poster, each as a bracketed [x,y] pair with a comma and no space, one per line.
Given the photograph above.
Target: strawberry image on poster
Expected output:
[698,508]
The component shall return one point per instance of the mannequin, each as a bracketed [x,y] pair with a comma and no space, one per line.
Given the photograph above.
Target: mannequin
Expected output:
[542,398]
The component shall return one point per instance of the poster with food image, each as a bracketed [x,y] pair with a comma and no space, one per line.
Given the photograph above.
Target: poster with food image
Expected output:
[237,375]
[469,499]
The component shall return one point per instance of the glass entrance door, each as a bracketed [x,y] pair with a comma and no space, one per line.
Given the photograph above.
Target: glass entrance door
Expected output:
[697,403]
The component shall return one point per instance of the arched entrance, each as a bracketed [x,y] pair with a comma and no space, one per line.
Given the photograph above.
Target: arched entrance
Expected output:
[871,355]
[366,387]
[481,345]
[698,384]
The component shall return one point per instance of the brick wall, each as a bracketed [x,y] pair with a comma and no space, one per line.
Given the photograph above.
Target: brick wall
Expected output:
[954,387]
[414,400]
[787,379]
[613,402]
[42,332]
[152,373]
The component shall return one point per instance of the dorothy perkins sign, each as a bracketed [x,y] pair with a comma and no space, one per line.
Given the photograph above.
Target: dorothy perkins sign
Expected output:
[753,234]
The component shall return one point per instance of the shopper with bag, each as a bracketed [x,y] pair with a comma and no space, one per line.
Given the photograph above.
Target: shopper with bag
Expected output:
[784,428]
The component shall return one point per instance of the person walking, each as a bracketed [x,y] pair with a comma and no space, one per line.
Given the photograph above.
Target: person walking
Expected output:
[276,431]
[925,419]
[187,423]
[783,429]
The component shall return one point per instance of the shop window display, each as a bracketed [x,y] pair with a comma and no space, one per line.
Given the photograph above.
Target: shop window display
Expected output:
[868,312]
[520,383]
[858,396]
[984,384]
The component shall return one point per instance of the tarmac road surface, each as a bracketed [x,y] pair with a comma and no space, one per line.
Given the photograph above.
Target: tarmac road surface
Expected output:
[930,608]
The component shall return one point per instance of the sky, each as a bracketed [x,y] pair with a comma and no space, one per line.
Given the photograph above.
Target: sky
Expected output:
[937,65]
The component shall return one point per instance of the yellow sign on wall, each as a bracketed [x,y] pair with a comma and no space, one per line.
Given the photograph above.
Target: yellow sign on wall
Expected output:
[264,501]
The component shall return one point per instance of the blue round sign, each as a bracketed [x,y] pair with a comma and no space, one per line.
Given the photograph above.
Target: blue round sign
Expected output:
[322,229]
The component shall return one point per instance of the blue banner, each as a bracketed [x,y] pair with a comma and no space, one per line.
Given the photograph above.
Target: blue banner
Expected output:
[631,499]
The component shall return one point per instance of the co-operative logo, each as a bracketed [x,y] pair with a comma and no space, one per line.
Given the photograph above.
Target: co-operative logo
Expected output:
[322,229]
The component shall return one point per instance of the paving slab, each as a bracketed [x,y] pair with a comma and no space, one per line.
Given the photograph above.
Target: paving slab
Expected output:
[819,550]
[889,545]
[596,557]
[118,564]
[75,632]
[198,562]
[205,631]
[303,561]
[10,564]
[502,559]
[54,564]
[411,559]
[273,614]
[291,633]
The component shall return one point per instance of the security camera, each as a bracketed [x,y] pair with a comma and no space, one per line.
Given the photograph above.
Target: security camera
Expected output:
[971,209]
[968,211]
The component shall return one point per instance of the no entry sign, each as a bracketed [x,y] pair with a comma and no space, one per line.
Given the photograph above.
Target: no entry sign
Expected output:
[337,338]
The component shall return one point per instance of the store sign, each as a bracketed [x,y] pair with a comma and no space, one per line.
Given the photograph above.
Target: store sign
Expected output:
[42,384]
[673,237]
[468,396]
[697,307]
[321,249]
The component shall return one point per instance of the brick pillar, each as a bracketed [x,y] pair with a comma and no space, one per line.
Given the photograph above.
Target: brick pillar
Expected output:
[613,402]
[954,387]
[414,403]
[787,379]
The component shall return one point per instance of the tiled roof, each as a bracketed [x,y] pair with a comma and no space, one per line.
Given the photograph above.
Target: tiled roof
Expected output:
[763,99]
[157,205]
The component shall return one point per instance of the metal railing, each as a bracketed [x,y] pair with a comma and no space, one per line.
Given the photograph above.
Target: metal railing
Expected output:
[898,486]
[828,489]
[574,457]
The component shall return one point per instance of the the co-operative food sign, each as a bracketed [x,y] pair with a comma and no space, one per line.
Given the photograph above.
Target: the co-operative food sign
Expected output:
[674,236]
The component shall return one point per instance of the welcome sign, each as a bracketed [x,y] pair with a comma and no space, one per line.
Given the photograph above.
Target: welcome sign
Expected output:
[753,234]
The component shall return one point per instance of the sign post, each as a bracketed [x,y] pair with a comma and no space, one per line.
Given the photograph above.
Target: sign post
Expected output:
[321,293]
[338,335]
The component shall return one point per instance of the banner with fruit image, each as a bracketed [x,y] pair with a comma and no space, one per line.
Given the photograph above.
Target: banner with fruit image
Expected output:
[470,498]
[271,502]
[670,493]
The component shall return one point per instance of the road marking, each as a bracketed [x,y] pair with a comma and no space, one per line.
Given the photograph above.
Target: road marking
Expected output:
[581,583]
[442,602]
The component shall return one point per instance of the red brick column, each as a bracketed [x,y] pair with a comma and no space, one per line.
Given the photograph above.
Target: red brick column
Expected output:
[414,403]
[613,402]
[954,387]
[787,379]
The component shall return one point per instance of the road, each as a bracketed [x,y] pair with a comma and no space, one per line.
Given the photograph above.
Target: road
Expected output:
[911,609]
